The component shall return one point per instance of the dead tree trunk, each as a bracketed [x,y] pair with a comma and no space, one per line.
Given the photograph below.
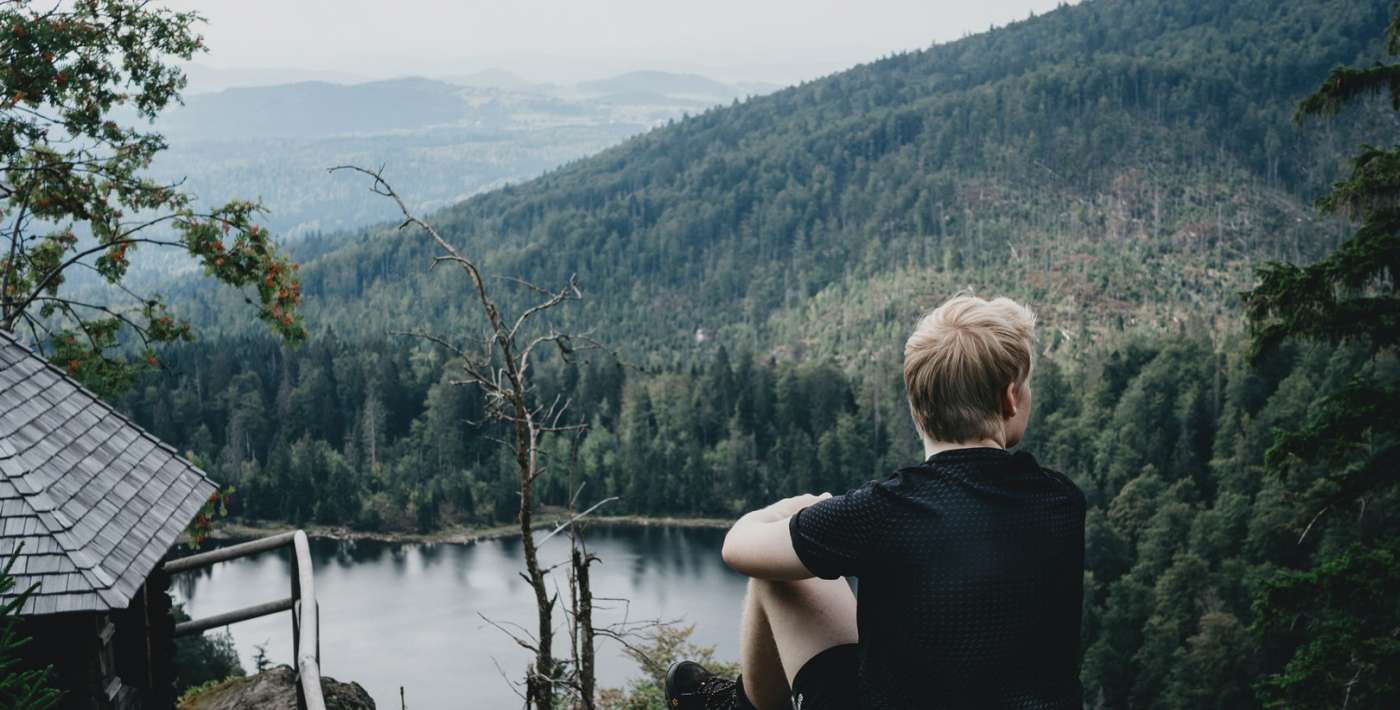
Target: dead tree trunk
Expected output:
[583,622]
[540,684]
[500,367]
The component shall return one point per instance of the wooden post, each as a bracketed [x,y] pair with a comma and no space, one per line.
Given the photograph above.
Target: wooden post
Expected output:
[160,641]
[306,661]
[296,629]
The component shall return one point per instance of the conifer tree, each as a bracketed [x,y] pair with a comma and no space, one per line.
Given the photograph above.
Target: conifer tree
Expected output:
[20,689]
[1334,618]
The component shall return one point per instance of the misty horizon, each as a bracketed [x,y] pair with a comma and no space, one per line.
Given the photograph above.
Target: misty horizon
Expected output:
[781,43]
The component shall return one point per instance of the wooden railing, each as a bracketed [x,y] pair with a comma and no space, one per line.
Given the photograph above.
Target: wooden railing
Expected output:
[306,614]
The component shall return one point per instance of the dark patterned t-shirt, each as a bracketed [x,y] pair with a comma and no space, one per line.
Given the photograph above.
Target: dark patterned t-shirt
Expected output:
[969,574]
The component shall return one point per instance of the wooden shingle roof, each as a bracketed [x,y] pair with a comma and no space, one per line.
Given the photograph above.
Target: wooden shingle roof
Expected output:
[95,500]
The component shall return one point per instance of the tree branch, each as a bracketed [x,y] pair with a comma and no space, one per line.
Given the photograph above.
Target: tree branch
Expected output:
[575,518]
[44,283]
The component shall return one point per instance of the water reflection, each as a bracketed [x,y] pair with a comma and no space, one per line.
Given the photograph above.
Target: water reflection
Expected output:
[410,614]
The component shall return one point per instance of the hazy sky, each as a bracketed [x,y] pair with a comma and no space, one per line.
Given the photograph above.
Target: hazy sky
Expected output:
[566,40]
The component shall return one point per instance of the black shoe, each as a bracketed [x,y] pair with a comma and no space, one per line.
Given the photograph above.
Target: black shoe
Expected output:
[690,687]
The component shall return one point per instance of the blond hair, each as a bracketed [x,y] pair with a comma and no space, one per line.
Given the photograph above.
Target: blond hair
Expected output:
[959,361]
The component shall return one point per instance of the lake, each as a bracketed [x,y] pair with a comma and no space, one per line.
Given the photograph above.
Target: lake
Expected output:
[399,614]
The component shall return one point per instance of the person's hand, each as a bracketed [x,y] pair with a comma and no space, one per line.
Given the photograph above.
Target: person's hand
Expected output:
[788,507]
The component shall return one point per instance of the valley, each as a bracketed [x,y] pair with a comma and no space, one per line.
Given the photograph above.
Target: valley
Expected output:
[729,271]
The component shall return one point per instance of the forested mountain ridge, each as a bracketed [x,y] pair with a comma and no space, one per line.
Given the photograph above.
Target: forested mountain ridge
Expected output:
[1114,162]
[1120,164]
[448,141]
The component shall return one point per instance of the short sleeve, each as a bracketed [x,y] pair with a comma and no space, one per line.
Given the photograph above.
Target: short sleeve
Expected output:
[839,536]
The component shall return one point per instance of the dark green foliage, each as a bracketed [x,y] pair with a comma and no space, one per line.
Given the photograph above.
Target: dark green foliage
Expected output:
[1351,293]
[1167,436]
[203,658]
[20,688]
[1330,612]
[1326,614]
[375,435]
[1347,84]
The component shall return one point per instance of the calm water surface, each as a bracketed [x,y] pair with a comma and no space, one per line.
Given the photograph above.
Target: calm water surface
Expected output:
[409,614]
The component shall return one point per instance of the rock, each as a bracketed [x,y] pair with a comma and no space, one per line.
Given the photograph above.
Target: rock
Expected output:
[275,689]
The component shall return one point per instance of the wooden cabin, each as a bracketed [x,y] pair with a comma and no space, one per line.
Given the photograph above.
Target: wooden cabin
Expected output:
[93,504]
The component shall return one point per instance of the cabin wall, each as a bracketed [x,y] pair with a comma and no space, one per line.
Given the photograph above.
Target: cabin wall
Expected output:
[158,635]
[70,644]
[120,660]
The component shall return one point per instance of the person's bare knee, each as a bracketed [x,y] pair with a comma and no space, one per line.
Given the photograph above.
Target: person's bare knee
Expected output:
[806,617]
[765,682]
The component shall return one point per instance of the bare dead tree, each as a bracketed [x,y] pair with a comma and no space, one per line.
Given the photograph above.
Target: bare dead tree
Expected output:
[581,678]
[499,365]
[584,652]
[580,594]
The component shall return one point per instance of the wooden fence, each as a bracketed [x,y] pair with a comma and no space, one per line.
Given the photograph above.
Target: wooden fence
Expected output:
[306,614]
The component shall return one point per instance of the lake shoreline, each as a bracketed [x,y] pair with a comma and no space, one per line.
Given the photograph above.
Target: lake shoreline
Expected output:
[240,530]
[420,616]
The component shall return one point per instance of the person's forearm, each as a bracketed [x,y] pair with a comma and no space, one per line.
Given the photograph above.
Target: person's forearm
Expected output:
[776,512]
[758,544]
[767,514]
[737,531]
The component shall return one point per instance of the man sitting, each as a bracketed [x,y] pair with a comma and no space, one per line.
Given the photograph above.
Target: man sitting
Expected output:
[969,566]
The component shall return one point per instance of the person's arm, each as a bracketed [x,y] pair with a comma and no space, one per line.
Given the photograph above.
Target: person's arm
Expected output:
[760,543]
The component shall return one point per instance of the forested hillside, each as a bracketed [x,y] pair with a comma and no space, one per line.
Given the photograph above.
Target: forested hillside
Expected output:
[444,141]
[1166,436]
[1122,165]
[1115,162]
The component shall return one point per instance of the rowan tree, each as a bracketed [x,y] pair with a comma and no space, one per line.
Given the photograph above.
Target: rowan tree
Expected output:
[80,84]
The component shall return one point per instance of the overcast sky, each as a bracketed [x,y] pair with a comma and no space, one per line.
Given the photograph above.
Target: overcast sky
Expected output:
[779,41]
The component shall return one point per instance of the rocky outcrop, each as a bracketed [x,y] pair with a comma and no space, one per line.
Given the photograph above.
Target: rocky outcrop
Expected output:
[275,689]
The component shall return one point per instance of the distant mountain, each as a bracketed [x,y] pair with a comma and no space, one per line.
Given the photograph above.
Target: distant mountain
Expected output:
[204,79]
[447,140]
[1122,164]
[663,83]
[321,109]
[649,98]
[316,108]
